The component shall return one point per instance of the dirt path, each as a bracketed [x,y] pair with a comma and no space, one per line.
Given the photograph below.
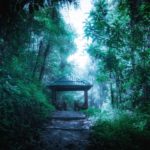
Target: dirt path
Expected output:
[67,130]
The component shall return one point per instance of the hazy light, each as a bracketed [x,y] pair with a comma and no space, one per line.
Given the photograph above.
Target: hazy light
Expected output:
[76,18]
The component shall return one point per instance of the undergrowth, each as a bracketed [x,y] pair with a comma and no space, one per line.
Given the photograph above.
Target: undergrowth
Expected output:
[121,131]
[23,109]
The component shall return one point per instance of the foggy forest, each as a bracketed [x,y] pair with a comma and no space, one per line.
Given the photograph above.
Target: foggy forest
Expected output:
[74,74]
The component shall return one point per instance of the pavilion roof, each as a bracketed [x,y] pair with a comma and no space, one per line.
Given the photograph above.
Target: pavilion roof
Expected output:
[65,84]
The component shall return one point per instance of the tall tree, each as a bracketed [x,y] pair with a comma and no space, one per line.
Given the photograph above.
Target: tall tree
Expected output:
[120,52]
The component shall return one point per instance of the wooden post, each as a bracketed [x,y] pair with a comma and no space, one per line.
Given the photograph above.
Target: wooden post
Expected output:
[86,99]
[53,97]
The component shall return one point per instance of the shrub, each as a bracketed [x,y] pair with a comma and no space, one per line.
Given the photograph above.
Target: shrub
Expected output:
[124,132]
[23,109]
[92,111]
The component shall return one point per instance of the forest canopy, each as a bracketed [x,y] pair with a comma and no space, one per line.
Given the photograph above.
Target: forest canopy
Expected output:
[34,45]
[120,36]
[35,42]
[120,43]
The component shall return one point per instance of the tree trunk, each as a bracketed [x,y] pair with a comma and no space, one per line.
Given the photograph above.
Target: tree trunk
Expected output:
[38,59]
[133,6]
[111,90]
[46,52]
[118,86]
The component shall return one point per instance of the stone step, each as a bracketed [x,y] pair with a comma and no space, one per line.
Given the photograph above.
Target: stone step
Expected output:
[70,125]
[68,115]
[66,140]
[67,129]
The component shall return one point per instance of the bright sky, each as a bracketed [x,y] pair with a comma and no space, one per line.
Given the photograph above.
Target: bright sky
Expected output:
[76,19]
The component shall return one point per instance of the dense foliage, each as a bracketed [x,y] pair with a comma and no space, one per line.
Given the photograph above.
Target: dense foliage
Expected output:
[34,45]
[120,43]
[121,131]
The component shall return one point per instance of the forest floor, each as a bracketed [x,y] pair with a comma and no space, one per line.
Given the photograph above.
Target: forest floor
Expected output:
[67,130]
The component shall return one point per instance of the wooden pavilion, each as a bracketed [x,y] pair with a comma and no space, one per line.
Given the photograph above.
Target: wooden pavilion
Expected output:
[64,84]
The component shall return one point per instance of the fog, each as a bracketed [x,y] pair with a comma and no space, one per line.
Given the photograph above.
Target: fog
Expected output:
[84,67]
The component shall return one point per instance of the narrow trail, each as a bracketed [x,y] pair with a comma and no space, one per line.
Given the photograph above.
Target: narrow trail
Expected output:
[67,130]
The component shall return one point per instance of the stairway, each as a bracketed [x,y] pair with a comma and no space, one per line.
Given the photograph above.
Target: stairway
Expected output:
[67,130]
